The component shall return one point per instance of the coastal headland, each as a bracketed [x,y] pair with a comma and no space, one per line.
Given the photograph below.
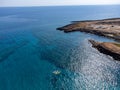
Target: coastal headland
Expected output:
[105,27]
[109,48]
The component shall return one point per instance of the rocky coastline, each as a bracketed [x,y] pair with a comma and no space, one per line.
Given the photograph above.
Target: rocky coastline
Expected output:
[106,27]
[109,48]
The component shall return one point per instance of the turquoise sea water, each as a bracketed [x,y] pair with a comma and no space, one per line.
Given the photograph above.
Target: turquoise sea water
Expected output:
[31,49]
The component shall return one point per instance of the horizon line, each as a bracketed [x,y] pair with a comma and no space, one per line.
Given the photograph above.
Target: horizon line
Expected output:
[63,5]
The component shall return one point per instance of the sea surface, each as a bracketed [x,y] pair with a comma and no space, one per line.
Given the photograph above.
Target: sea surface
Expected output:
[31,50]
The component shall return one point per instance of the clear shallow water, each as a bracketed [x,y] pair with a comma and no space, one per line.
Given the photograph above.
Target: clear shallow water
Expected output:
[31,49]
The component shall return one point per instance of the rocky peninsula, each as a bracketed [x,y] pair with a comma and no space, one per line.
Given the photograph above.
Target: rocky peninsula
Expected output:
[109,48]
[106,27]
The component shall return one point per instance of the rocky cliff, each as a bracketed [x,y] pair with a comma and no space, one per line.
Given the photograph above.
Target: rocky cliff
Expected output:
[109,48]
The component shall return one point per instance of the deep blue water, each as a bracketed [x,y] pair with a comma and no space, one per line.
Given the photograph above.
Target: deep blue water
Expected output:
[31,49]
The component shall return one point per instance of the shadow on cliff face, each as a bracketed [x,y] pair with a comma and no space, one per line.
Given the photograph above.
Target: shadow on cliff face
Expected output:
[107,48]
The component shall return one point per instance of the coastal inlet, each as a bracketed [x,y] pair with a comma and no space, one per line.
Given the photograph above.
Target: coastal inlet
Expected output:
[107,27]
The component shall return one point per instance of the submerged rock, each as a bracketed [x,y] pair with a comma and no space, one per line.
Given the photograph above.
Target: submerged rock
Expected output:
[7,52]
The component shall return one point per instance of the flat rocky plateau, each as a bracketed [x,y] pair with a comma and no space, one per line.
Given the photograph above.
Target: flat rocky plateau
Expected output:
[106,27]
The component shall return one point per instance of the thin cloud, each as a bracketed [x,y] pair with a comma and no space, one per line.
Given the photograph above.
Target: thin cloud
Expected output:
[55,2]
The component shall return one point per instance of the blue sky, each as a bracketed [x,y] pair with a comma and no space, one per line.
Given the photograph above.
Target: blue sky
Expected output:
[55,2]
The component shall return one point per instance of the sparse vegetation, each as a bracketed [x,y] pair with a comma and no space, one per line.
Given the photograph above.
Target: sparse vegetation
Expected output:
[117,44]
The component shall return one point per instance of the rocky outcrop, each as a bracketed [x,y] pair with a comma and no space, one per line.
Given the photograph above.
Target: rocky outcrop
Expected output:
[106,27]
[109,48]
